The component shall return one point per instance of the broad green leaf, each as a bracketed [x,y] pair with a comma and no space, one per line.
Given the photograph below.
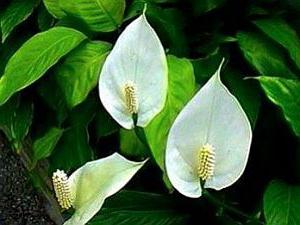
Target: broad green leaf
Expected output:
[130,145]
[181,88]
[140,208]
[10,46]
[104,124]
[35,57]
[79,72]
[283,33]
[54,8]
[282,204]
[267,58]
[14,14]
[98,15]
[73,149]
[43,146]
[97,180]
[286,94]
[15,120]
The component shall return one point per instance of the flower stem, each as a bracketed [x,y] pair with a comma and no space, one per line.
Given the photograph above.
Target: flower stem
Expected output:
[217,202]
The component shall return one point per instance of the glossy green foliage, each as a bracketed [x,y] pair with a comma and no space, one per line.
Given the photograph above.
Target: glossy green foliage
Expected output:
[35,57]
[17,12]
[286,94]
[281,203]
[53,54]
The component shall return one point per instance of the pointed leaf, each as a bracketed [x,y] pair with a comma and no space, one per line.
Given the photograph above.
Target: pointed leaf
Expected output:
[282,33]
[130,145]
[267,58]
[79,72]
[44,146]
[104,124]
[35,57]
[215,117]
[286,94]
[99,15]
[97,180]
[14,14]
[282,204]
[138,57]
[181,88]
[141,208]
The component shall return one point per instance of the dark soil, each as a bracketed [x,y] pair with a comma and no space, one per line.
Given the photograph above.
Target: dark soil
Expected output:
[19,202]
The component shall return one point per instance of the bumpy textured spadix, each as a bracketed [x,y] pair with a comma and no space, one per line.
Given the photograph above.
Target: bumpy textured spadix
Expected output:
[209,141]
[62,189]
[206,164]
[134,78]
[87,188]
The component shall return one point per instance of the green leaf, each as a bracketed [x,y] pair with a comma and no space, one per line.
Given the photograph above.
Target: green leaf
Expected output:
[281,32]
[79,72]
[130,145]
[15,120]
[286,94]
[35,57]
[14,14]
[181,88]
[263,55]
[105,124]
[98,15]
[10,46]
[54,8]
[73,149]
[43,147]
[140,208]
[282,204]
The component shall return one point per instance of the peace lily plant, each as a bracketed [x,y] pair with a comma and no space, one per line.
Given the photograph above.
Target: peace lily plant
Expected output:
[208,144]
[87,188]
[133,81]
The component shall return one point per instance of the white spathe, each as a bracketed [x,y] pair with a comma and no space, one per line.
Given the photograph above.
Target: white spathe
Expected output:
[214,116]
[138,57]
[95,181]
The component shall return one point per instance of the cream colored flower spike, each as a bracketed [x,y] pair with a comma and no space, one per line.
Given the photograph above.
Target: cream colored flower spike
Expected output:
[134,78]
[209,141]
[87,188]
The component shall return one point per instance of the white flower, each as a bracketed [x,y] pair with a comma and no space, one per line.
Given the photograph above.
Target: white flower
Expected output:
[134,79]
[87,188]
[208,144]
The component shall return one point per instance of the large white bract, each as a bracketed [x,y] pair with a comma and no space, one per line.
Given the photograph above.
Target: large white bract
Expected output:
[209,141]
[134,78]
[87,188]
